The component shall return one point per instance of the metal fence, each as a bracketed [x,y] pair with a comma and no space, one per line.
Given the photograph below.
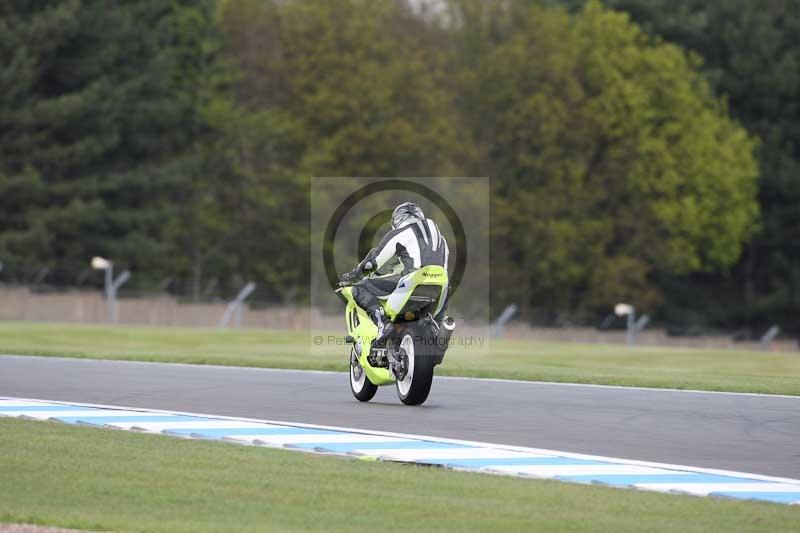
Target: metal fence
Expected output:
[81,306]
[91,306]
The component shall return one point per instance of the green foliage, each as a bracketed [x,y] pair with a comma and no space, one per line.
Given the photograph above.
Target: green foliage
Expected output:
[752,57]
[322,92]
[93,100]
[613,155]
[369,109]
[178,138]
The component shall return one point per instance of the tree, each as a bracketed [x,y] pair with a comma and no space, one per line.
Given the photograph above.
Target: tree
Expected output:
[368,81]
[323,90]
[614,160]
[92,103]
[752,57]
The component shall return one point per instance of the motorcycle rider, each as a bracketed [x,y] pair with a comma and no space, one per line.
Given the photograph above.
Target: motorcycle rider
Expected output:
[415,241]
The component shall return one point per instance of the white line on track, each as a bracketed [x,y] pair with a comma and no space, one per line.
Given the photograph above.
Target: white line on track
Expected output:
[44,415]
[445,378]
[708,488]
[157,427]
[418,454]
[578,470]
[434,439]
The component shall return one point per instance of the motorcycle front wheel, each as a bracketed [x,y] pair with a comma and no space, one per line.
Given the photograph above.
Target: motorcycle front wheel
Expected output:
[360,385]
[415,386]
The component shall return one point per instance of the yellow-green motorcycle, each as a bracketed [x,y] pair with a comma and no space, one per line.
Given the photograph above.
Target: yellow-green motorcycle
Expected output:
[415,344]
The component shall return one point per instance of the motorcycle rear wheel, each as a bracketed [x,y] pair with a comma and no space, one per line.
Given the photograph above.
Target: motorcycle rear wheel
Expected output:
[415,386]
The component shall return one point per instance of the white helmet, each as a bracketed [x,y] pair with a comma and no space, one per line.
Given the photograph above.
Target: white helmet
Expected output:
[404,213]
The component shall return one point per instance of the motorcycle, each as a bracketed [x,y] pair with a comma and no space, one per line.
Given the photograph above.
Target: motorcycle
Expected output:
[415,344]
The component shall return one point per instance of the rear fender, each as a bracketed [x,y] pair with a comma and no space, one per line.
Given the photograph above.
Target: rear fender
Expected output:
[427,275]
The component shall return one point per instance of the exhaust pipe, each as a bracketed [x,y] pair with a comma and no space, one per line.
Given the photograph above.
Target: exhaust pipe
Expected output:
[446,328]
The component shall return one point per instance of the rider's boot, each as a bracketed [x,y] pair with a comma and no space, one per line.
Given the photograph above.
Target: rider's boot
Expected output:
[384,326]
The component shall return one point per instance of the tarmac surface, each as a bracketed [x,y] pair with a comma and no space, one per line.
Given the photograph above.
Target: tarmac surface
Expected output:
[742,432]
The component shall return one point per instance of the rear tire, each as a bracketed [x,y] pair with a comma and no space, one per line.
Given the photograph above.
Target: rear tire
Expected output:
[414,388]
[360,385]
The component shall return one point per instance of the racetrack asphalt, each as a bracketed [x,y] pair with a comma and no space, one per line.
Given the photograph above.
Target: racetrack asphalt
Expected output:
[748,433]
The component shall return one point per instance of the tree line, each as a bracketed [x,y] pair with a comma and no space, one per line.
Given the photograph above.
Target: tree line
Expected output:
[639,150]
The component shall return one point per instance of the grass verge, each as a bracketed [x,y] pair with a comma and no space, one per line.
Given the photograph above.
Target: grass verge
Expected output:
[720,370]
[97,479]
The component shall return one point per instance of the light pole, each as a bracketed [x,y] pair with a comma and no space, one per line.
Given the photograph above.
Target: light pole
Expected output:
[629,311]
[634,326]
[111,285]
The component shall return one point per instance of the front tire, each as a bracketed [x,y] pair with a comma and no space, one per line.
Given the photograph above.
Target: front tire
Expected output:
[415,386]
[360,385]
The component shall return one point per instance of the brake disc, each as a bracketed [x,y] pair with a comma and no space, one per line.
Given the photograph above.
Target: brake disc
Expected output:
[401,368]
[356,366]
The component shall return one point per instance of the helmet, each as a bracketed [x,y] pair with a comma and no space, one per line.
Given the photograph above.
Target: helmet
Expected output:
[405,211]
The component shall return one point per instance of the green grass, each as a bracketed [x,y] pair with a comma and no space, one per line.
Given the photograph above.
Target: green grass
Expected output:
[54,474]
[722,370]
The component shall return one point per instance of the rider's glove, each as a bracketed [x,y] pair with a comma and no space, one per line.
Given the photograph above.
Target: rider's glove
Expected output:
[348,278]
